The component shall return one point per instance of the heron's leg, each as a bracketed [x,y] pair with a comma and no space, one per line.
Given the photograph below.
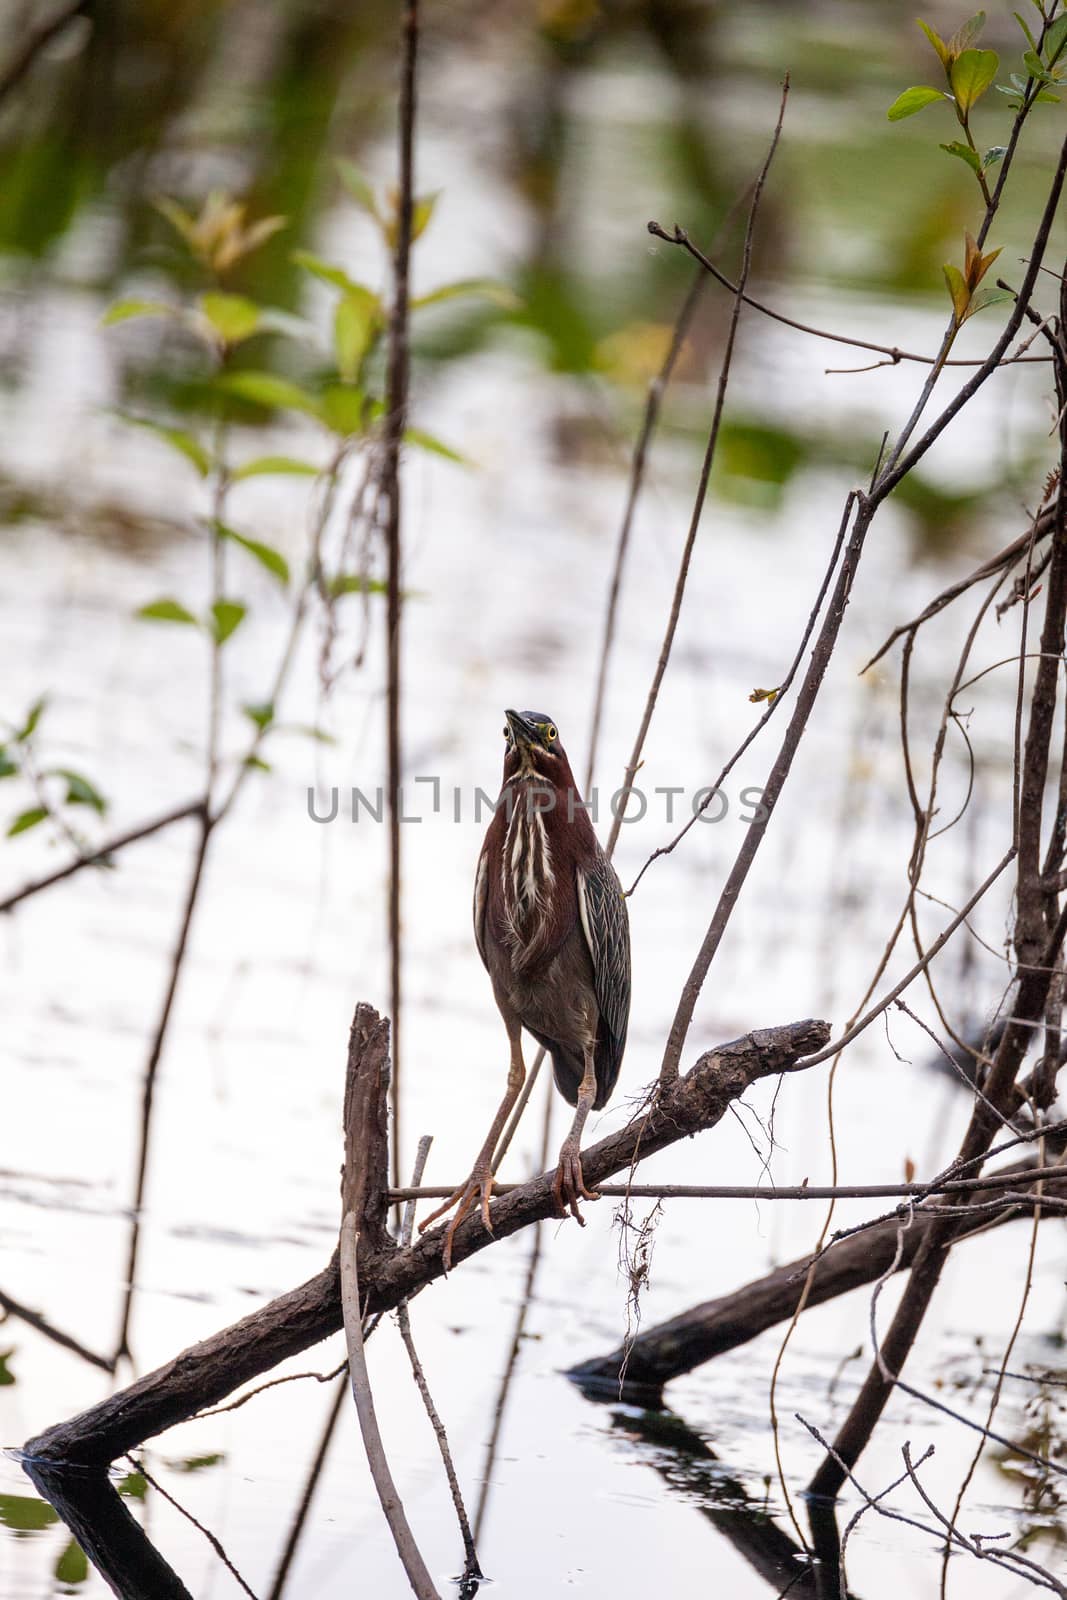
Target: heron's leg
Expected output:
[569,1185]
[479,1186]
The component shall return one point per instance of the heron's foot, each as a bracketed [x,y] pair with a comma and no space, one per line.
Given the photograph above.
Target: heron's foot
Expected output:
[568,1186]
[478,1187]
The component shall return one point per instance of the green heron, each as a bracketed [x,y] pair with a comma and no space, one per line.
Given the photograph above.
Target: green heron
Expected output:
[551,926]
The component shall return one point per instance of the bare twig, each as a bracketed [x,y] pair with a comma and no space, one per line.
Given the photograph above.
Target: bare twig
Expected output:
[101,857]
[139,1466]
[418,1576]
[36,40]
[471,1569]
[702,488]
[769,1191]
[318,1462]
[395,422]
[274,1383]
[893,352]
[34,1319]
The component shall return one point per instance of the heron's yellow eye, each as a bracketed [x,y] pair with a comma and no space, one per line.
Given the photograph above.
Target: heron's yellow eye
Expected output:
[550,733]
[507,732]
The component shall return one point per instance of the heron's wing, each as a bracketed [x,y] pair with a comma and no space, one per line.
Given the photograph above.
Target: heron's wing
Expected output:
[481,896]
[602,910]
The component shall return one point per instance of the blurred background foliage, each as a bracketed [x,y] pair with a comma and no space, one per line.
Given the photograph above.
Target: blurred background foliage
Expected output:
[585,111]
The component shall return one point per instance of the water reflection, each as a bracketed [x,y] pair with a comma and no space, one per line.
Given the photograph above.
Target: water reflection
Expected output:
[108,1533]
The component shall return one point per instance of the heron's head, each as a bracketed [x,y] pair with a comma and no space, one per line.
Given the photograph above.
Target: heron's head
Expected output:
[531,744]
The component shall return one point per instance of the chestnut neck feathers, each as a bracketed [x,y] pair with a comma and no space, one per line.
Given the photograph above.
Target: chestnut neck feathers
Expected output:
[538,837]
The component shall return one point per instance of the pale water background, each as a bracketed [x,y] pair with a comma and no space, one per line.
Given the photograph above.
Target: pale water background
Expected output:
[508,567]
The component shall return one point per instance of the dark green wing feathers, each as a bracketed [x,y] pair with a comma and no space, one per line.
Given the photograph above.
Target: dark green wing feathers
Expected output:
[602,909]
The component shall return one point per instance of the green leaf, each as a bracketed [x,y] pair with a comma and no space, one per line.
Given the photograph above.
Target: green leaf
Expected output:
[179,219]
[1055,39]
[344,409]
[178,440]
[22,824]
[938,43]
[228,616]
[359,188]
[25,1513]
[80,792]
[913,100]
[264,465]
[965,153]
[232,316]
[257,764]
[265,554]
[1049,99]
[126,310]
[966,34]
[7,1377]
[426,441]
[1035,66]
[957,288]
[995,153]
[33,717]
[8,768]
[134,1485]
[1031,41]
[266,389]
[984,298]
[353,583]
[356,320]
[328,273]
[306,731]
[971,75]
[196,1463]
[72,1566]
[422,211]
[471,288]
[262,715]
[167,611]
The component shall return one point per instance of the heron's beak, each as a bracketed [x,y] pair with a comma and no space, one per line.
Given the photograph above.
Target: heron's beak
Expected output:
[522,732]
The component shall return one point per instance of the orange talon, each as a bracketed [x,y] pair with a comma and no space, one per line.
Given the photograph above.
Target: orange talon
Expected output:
[568,1186]
[478,1185]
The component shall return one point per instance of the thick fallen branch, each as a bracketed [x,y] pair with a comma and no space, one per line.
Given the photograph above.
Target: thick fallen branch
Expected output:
[697,1335]
[207,1372]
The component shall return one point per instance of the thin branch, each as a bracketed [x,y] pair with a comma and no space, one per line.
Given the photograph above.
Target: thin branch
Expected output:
[418,1576]
[472,1571]
[151,1070]
[1005,558]
[747,1191]
[679,236]
[920,966]
[273,1383]
[292,1539]
[772,707]
[395,422]
[139,1466]
[101,857]
[36,40]
[702,488]
[656,391]
[33,1319]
